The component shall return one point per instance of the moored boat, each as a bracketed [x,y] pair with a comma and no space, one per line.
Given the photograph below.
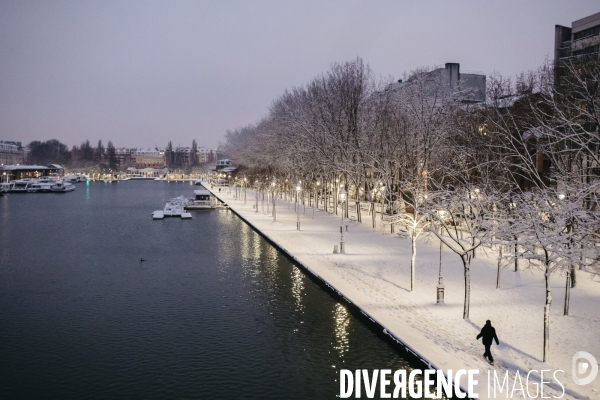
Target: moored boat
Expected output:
[62,187]
[4,188]
[203,200]
[173,208]
[34,187]
[21,185]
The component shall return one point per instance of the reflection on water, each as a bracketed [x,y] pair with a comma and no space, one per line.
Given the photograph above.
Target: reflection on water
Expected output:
[297,287]
[214,312]
[342,321]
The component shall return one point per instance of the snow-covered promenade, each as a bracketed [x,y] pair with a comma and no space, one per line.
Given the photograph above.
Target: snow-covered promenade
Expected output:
[374,274]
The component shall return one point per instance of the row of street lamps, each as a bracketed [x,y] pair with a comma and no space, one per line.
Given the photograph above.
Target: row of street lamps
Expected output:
[342,196]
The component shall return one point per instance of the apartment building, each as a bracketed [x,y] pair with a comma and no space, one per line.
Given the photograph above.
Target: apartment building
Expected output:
[11,153]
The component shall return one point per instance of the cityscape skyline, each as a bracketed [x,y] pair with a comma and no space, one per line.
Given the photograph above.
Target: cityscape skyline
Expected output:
[144,73]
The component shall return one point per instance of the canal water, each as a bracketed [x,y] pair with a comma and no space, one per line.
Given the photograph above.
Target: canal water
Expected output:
[214,311]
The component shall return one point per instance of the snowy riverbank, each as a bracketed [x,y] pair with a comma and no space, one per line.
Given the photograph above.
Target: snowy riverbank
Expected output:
[375,275]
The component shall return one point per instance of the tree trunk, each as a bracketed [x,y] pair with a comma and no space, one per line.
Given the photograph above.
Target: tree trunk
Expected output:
[413,259]
[567,293]
[546,357]
[516,258]
[467,268]
[373,216]
[573,276]
[499,267]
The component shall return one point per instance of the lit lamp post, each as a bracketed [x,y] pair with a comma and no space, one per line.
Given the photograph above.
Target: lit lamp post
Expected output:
[338,193]
[342,196]
[297,208]
[317,194]
[440,285]
[256,195]
[273,197]
[570,275]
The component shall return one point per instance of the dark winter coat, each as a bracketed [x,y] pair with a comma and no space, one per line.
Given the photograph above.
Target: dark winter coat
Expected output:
[488,333]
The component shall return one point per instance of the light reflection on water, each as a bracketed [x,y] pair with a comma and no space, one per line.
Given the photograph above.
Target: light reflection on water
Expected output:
[214,312]
[297,287]
[342,321]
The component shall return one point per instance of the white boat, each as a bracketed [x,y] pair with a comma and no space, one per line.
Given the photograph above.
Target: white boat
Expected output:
[173,208]
[203,200]
[34,187]
[21,185]
[46,184]
[63,186]
[71,178]
[198,182]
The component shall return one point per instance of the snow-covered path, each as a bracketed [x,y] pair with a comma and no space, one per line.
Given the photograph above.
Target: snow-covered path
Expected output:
[375,275]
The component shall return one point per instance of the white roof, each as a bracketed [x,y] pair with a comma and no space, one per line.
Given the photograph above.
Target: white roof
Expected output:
[13,167]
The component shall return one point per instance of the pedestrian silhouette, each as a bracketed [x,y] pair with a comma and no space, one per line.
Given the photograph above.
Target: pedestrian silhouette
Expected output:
[488,335]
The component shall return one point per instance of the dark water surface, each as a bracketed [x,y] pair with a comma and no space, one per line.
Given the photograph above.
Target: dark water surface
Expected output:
[214,313]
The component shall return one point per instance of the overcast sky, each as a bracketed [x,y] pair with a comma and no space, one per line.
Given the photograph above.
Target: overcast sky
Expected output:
[141,73]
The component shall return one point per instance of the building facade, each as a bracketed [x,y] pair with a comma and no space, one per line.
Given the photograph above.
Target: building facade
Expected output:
[149,158]
[13,172]
[471,84]
[577,43]
[206,155]
[125,157]
[11,153]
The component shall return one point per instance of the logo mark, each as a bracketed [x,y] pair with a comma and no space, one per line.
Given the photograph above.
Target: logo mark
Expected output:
[581,367]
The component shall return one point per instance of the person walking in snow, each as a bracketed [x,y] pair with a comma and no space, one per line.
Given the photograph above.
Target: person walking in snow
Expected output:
[488,335]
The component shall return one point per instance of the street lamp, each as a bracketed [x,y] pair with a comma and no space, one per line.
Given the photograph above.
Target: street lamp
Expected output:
[297,208]
[337,190]
[317,194]
[273,199]
[440,285]
[256,195]
[342,196]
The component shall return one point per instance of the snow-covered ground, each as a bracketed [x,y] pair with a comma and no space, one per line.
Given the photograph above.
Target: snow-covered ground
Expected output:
[375,275]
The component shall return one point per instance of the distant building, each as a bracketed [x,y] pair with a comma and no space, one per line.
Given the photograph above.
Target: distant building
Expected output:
[471,83]
[12,172]
[206,155]
[125,157]
[11,153]
[223,163]
[184,156]
[578,43]
[153,158]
